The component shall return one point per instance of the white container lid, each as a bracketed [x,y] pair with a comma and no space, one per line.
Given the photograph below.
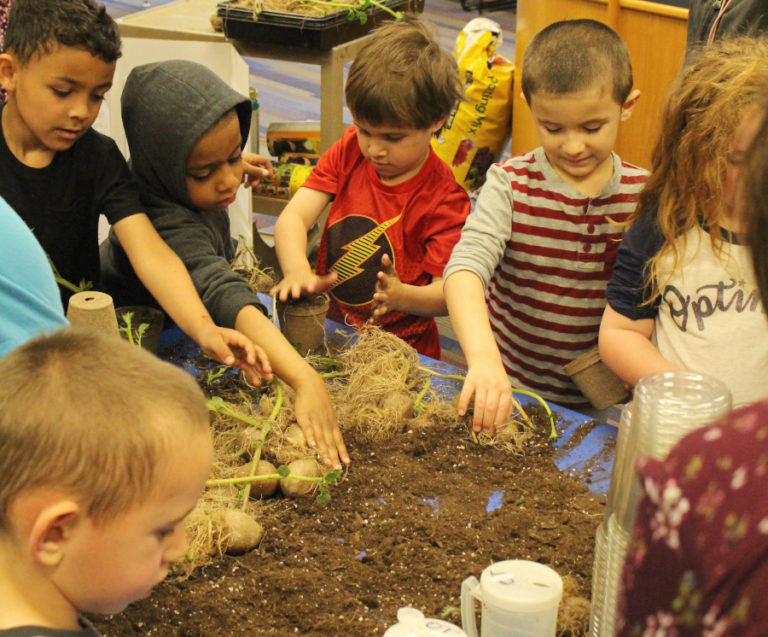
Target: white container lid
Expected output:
[521,586]
[412,623]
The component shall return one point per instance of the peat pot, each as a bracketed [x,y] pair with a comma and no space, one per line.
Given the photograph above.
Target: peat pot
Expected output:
[302,321]
[598,383]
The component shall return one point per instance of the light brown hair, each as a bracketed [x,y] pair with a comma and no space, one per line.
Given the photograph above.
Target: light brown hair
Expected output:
[91,415]
[401,77]
[704,109]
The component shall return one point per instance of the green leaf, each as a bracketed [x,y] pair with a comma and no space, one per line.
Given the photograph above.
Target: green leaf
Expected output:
[283,471]
[331,476]
[323,498]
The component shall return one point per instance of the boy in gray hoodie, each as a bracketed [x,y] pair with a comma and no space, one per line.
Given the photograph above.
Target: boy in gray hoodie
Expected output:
[186,129]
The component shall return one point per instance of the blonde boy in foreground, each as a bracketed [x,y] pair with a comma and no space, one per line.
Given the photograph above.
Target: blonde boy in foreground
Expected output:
[397,211]
[545,231]
[59,174]
[104,450]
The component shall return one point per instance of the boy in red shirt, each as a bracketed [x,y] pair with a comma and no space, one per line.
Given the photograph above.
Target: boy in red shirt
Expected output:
[396,209]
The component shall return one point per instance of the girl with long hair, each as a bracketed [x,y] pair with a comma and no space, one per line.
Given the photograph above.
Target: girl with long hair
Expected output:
[683,293]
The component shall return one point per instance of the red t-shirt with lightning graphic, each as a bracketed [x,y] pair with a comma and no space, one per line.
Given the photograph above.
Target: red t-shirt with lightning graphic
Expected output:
[416,223]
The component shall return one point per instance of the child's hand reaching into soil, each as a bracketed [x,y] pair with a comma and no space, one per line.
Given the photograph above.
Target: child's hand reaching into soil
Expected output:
[315,415]
[488,384]
[389,289]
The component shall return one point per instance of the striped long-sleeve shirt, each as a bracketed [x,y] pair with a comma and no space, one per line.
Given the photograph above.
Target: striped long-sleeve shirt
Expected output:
[545,252]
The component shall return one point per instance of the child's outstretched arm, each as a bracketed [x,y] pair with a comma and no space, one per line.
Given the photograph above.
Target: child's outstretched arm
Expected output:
[394,295]
[626,348]
[164,275]
[486,378]
[314,412]
[302,211]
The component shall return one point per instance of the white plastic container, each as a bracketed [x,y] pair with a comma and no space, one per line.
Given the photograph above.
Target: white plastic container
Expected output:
[412,623]
[519,599]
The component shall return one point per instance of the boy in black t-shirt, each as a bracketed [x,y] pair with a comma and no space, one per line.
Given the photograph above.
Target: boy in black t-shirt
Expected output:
[60,175]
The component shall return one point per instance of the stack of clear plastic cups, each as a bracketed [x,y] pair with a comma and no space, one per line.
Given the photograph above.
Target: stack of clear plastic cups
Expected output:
[666,407]
[618,541]
[602,539]
[599,569]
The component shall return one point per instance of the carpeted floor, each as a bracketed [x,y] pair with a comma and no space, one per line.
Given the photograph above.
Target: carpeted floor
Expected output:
[290,91]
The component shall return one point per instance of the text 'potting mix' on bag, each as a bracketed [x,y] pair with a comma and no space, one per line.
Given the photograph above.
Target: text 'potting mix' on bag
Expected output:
[477,129]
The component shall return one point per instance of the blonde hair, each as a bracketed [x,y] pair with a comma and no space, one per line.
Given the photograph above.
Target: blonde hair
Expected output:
[90,415]
[704,109]
[402,77]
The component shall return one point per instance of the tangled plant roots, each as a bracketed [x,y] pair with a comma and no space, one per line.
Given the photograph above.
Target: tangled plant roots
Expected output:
[573,614]
[380,390]
[378,365]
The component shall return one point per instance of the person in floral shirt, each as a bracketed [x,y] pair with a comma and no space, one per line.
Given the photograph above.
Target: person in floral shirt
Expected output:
[698,561]
[5,7]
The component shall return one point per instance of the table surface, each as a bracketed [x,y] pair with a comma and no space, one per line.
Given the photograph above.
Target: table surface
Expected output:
[589,460]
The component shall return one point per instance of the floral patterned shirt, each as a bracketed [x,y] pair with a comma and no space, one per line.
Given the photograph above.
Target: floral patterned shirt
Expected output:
[698,561]
[5,7]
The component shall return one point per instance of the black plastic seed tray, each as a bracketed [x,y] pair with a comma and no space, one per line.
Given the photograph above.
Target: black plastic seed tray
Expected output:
[309,32]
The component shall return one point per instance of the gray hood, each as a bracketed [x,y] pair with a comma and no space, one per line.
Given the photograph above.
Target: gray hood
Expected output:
[166,107]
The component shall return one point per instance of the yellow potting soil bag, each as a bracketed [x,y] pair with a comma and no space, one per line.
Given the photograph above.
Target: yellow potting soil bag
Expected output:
[478,128]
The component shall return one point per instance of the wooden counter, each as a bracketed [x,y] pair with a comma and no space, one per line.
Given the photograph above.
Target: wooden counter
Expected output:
[655,35]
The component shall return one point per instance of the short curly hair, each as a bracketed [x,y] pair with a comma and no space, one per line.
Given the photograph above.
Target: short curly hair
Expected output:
[38,26]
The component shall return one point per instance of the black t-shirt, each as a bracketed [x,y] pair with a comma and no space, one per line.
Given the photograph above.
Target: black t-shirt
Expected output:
[62,202]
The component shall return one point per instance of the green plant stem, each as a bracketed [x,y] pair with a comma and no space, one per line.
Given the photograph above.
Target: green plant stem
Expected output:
[219,406]
[333,374]
[265,429]
[553,430]
[417,406]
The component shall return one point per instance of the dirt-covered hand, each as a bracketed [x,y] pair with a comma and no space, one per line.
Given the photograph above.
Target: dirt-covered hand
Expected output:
[389,289]
[315,416]
[293,286]
[490,386]
[255,168]
[232,348]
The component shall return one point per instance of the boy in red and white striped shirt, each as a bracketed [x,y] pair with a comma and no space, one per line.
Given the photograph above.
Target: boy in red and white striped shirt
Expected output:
[542,239]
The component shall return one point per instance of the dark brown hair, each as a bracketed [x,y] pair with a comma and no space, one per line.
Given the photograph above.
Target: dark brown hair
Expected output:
[574,55]
[38,26]
[401,77]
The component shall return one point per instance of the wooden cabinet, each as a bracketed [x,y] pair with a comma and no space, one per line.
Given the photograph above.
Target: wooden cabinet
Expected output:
[655,35]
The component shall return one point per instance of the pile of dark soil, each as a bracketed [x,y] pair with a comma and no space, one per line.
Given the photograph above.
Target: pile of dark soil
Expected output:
[413,517]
